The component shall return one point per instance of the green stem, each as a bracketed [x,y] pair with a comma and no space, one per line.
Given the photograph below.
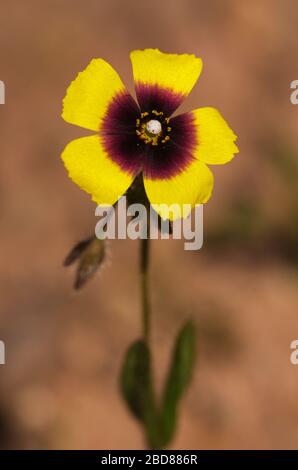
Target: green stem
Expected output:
[144,263]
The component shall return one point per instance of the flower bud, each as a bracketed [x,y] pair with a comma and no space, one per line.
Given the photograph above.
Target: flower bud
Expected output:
[90,254]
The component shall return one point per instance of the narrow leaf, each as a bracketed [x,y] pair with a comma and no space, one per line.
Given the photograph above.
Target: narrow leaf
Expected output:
[135,377]
[179,377]
[137,390]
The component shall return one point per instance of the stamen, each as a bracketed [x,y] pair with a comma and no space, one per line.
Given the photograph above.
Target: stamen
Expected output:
[157,113]
[151,131]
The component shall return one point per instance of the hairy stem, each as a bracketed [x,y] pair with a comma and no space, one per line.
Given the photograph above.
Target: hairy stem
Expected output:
[144,264]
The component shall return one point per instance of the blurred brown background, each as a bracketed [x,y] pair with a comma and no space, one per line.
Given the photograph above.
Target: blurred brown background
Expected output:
[59,387]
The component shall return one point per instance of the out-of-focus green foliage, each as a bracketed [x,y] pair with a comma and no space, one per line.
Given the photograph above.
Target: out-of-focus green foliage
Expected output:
[178,379]
[136,383]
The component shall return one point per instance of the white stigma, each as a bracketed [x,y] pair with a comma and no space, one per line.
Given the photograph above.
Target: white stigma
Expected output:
[153,127]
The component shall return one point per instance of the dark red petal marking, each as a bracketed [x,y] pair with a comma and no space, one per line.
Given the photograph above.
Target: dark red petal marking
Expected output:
[168,160]
[119,133]
[133,155]
[155,97]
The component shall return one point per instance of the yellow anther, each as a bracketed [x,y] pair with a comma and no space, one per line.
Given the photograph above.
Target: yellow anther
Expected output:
[169,129]
[156,112]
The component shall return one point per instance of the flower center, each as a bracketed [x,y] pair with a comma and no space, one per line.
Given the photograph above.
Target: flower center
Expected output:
[151,130]
[153,127]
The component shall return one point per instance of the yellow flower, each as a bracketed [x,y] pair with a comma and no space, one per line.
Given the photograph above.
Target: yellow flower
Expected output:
[172,153]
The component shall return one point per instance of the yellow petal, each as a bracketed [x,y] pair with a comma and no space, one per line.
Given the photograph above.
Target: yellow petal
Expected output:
[215,139]
[192,186]
[177,73]
[90,94]
[91,169]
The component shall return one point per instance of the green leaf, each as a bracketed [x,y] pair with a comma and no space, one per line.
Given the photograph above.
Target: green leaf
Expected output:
[137,389]
[135,377]
[179,377]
